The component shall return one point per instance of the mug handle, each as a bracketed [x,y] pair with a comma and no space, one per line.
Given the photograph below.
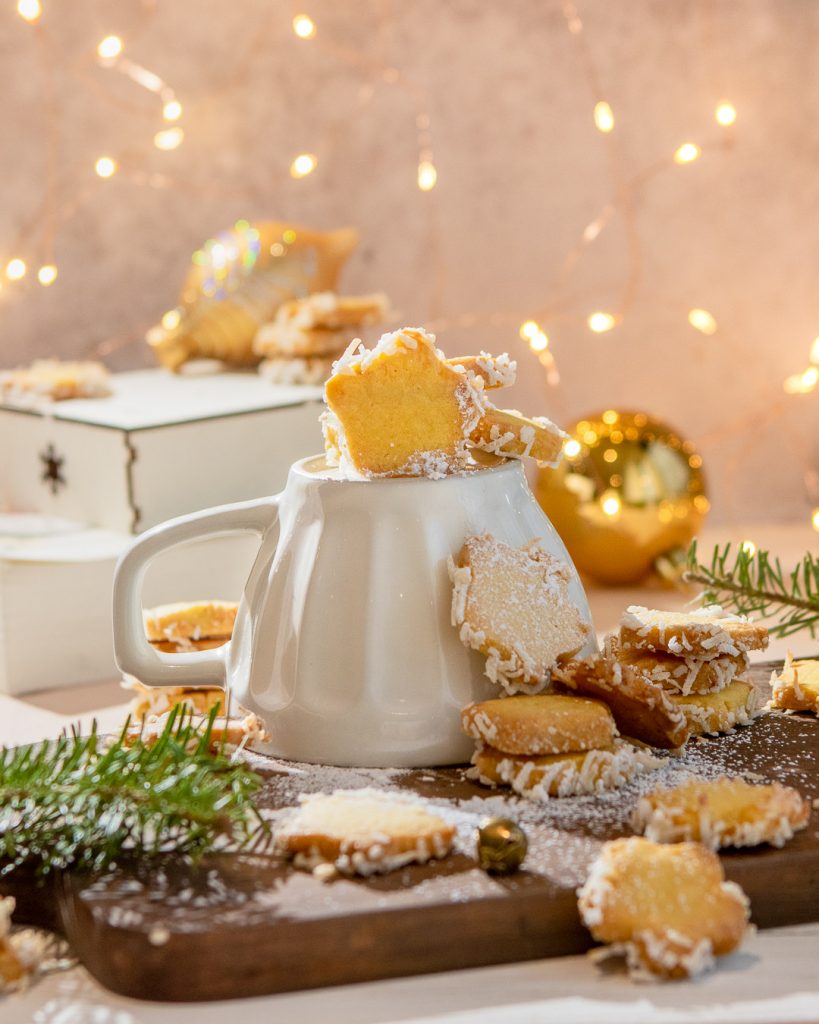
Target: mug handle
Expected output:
[134,654]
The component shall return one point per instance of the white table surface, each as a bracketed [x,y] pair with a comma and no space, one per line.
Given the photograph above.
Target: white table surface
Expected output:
[772,979]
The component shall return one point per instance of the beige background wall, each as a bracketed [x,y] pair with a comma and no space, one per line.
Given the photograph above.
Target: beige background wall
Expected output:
[522,170]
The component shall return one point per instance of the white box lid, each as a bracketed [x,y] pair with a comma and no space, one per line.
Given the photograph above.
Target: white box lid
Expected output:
[144,399]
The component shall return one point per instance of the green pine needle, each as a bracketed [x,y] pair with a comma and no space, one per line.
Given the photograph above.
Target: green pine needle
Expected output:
[756,584]
[85,802]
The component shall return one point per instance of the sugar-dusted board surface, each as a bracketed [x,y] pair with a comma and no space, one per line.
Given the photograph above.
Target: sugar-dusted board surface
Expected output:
[242,926]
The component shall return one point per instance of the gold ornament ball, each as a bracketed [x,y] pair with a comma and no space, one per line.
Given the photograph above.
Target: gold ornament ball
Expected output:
[628,497]
[502,846]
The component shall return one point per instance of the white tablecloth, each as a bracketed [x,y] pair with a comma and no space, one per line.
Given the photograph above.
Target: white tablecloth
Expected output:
[774,978]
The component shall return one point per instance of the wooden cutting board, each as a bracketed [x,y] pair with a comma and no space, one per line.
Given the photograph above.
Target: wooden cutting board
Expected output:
[243,926]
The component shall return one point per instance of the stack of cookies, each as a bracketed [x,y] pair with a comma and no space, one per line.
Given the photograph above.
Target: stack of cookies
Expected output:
[698,658]
[185,628]
[551,745]
[672,675]
[307,335]
[514,606]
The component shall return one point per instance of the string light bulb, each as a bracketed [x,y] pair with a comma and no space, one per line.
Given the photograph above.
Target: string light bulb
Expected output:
[603,116]
[169,138]
[571,448]
[814,519]
[601,322]
[172,110]
[16,269]
[539,341]
[427,175]
[702,321]
[47,274]
[106,167]
[748,547]
[110,48]
[802,383]
[304,164]
[810,378]
[29,10]
[528,330]
[304,26]
[611,505]
[171,319]
[814,352]
[686,153]
[725,114]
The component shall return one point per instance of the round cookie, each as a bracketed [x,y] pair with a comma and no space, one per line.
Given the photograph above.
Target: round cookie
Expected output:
[362,832]
[704,633]
[546,724]
[157,700]
[714,713]
[198,620]
[183,644]
[642,710]
[668,907]
[723,812]
[563,775]
[680,675]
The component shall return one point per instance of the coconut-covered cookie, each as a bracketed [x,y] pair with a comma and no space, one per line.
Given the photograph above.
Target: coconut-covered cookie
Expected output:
[680,675]
[56,381]
[702,633]
[667,908]
[403,409]
[244,730]
[316,329]
[193,621]
[713,713]
[329,312]
[285,371]
[722,812]
[796,687]
[545,776]
[400,409]
[642,709]
[158,700]
[361,832]
[513,605]
[547,724]
[509,433]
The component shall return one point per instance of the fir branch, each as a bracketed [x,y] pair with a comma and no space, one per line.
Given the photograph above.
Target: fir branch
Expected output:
[756,584]
[86,801]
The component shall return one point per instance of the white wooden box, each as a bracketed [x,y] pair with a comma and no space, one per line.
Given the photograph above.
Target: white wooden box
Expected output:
[160,446]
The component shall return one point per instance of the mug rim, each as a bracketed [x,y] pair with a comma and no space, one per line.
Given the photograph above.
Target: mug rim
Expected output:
[300,468]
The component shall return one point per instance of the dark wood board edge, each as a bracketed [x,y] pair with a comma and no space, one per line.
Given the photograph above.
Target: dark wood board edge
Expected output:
[265,961]
[517,925]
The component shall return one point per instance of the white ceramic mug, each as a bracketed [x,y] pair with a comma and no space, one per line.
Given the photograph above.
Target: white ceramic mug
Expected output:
[343,642]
